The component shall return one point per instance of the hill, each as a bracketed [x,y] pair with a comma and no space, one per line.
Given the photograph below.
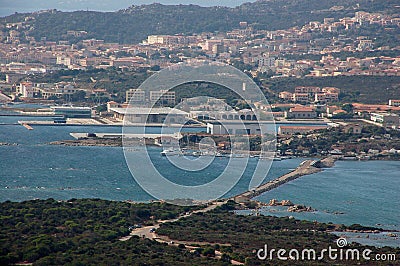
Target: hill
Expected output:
[133,24]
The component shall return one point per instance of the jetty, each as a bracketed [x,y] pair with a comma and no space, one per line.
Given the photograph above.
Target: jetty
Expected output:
[27,126]
[305,168]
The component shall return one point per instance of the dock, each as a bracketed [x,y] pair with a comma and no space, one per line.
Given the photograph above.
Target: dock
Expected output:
[69,122]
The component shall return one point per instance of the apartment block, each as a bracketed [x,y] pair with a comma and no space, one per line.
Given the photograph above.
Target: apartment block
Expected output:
[135,96]
[164,97]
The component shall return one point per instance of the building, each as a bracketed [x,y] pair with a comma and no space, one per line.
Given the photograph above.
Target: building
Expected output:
[141,115]
[26,89]
[309,90]
[240,115]
[111,104]
[59,90]
[285,95]
[365,45]
[162,97]
[386,119]
[135,96]
[169,39]
[353,129]
[239,128]
[301,112]
[331,90]
[266,61]
[394,103]
[300,97]
[72,112]
[326,97]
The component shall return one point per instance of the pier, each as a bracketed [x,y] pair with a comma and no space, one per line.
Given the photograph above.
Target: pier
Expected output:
[305,168]
[27,126]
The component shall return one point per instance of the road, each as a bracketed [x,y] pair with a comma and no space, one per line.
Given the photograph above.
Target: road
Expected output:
[148,232]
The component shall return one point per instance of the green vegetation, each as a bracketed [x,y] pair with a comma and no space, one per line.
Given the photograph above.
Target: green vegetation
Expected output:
[135,23]
[245,234]
[82,232]
[87,232]
[195,89]
[364,89]
[115,82]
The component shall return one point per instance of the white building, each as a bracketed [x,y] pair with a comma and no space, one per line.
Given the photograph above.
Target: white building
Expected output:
[241,115]
[394,103]
[141,115]
[266,61]
[386,119]
[26,89]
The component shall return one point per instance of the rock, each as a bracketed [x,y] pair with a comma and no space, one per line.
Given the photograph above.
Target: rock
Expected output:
[299,208]
[286,203]
[273,202]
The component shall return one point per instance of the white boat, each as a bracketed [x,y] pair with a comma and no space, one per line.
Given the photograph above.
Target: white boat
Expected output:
[169,152]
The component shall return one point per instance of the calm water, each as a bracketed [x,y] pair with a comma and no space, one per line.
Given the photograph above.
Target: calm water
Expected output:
[34,169]
[351,192]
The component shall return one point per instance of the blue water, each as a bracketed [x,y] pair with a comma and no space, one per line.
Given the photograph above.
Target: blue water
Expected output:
[351,192]
[34,169]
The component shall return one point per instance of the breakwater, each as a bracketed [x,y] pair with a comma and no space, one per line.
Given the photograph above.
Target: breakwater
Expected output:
[305,168]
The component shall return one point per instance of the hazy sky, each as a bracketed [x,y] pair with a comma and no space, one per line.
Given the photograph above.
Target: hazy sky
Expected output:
[8,7]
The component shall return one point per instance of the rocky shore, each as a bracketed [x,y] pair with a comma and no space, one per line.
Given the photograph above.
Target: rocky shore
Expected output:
[102,142]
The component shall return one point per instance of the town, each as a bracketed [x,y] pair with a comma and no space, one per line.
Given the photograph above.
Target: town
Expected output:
[318,49]
[200,132]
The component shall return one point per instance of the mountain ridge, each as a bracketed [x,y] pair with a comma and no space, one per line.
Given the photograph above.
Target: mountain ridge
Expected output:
[135,23]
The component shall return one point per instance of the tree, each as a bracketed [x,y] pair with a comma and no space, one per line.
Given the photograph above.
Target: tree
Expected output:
[155,68]
[209,252]
[348,108]
[79,96]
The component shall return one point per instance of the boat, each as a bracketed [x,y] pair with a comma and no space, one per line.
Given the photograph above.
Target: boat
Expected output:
[169,152]
[196,154]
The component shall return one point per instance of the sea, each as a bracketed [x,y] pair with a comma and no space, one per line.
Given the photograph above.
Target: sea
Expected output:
[351,192]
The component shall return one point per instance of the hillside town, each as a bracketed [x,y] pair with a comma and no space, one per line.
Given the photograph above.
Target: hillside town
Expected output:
[317,49]
[200,132]
[264,51]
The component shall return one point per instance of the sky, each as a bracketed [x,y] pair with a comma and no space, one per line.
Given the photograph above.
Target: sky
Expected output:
[8,7]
